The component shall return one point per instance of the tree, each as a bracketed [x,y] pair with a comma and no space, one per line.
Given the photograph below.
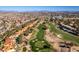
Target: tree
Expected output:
[24,49]
[18,39]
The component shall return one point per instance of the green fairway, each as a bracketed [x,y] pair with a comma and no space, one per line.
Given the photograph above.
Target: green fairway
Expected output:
[39,44]
[65,36]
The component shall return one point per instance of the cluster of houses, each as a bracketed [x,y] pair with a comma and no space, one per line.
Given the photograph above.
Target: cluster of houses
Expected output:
[68,29]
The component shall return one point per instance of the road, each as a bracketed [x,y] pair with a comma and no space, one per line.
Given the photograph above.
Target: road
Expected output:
[24,29]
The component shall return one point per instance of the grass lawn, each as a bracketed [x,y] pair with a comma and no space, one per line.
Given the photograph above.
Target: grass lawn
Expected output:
[65,36]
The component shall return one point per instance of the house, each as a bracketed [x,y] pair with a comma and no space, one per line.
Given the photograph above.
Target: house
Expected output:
[8,44]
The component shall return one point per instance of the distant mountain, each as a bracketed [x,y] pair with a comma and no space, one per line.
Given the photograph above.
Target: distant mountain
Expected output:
[42,12]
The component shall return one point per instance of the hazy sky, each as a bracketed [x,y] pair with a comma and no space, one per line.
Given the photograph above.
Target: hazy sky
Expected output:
[39,8]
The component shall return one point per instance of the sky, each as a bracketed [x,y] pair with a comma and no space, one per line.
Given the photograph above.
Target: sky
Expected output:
[39,8]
